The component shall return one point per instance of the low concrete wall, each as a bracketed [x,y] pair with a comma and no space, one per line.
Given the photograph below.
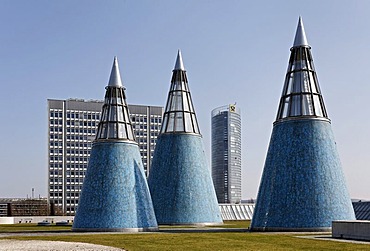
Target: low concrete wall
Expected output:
[6,220]
[34,219]
[353,230]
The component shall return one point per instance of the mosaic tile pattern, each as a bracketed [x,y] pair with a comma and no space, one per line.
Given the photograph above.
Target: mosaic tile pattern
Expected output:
[302,186]
[180,181]
[115,194]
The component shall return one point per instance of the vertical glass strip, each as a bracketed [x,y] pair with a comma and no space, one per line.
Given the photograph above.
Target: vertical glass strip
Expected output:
[317,104]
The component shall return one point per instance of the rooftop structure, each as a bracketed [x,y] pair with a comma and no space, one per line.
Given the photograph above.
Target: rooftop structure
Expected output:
[236,211]
[115,195]
[180,180]
[302,187]
[115,123]
[179,115]
[301,94]
[362,210]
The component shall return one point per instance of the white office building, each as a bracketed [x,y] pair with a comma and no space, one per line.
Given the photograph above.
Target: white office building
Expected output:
[72,124]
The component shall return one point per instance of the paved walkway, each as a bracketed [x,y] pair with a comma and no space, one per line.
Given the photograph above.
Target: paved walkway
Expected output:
[18,245]
[329,238]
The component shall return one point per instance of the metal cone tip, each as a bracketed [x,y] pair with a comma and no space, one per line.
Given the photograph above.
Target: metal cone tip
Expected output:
[115,76]
[179,65]
[300,35]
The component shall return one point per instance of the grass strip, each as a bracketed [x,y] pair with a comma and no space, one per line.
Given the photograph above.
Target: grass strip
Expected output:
[203,241]
[192,241]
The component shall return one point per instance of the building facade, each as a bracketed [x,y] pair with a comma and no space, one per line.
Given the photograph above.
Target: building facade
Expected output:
[72,125]
[226,153]
[11,207]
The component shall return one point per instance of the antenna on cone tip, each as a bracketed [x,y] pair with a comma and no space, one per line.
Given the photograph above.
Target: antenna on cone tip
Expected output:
[179,65]
[115,76]
[300,35]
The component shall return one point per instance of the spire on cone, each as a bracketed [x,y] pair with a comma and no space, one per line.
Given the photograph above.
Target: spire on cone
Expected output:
[179,65]
[115,122]
[301,96]
[179,115]
[300,35]
[115,76]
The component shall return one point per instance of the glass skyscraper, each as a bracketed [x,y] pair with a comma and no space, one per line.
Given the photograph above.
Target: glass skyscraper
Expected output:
[71,129]
[226,153]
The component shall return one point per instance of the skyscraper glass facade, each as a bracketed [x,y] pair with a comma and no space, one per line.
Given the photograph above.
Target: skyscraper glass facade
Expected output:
[226,153]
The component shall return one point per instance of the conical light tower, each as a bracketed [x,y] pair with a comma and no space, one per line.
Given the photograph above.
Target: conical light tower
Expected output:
[115,194]
[180,180]
[302,187]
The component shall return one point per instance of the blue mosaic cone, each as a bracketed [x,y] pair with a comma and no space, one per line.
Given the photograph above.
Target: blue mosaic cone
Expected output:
[180,180]
[115,195]
[303,186]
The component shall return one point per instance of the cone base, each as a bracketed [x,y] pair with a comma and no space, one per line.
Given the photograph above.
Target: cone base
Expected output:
[180,182]
[302,187]
[129,230]
[115,196]
[201,224]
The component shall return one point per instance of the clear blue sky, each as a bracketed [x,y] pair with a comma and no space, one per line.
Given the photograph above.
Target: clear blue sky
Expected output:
[233,51]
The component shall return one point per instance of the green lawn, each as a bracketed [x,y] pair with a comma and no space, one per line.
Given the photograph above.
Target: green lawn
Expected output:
[31,227]
[235,224]
[203,241]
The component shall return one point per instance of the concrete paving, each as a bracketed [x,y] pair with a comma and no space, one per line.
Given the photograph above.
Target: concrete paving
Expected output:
[18,245]
[330,238]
